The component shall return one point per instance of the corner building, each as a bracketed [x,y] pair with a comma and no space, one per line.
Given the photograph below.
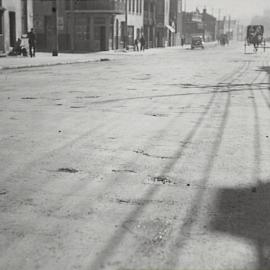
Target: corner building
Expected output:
[81,25]
[16,19]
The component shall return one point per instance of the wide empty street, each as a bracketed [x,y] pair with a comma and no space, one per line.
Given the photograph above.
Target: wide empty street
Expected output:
[151,161]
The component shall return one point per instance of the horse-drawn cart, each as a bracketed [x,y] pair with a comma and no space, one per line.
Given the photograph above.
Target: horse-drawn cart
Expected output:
[255,37]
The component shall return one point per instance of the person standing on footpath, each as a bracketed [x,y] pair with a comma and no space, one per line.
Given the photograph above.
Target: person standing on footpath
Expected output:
[142,41]
[32,42]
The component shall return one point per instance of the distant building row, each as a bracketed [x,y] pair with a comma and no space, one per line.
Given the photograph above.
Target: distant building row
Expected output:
[97,25]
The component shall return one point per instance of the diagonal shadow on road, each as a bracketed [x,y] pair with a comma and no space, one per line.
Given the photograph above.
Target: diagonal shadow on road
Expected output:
[245,212]
[265,97]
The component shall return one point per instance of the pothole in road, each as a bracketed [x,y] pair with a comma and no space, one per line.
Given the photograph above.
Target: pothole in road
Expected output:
[144,201]
[76,91]
[160,180]
[148,155]
[123,171]
[77,107]
[3,192]
[28,98]
[104,59]
[157,114]
[88,97]
[67,170]
[146,77]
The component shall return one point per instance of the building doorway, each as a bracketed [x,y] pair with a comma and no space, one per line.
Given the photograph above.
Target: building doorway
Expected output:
[117,35]
[12,28]
[49,32]
[103,38]
[1,31]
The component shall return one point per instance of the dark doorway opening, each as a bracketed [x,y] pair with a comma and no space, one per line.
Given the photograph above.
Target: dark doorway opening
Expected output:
[49,32]
[103,38]
[117,35]
[12,28]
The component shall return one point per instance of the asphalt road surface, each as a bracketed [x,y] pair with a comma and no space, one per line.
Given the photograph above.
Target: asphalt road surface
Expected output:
[153,161]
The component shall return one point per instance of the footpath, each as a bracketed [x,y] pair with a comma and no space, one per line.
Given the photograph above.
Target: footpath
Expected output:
[46,59]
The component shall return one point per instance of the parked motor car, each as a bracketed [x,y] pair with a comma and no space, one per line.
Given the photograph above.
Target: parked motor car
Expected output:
[196,42]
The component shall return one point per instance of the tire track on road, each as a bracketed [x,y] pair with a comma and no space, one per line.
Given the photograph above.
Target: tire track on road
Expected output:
[193,212]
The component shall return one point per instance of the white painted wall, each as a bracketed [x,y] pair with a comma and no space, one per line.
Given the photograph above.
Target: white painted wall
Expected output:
[15,6]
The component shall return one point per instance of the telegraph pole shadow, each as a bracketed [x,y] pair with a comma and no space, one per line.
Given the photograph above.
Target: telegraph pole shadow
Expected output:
[245,213]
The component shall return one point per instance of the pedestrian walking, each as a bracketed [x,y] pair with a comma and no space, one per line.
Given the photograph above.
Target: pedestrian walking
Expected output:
[32,43]
[142,41]
[136,44]
[183,41]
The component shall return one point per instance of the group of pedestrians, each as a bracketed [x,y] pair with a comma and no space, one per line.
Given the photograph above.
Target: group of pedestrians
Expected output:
[20,48]
[139,43]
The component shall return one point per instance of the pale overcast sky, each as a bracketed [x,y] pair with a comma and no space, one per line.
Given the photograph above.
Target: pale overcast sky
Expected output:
[243,10]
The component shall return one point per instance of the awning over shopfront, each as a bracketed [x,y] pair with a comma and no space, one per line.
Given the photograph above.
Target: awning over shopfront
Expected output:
[170,28]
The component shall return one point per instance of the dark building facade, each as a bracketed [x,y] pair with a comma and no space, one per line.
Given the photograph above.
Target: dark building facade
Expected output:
[162,22]
[192,25]
[200,24]
[176,21]
[76,25]
[149,21]
[157,23]
[209,26]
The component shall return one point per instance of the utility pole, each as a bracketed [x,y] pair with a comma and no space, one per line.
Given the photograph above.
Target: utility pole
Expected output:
[229,26]
[126,25]
[55,10]
[72,25]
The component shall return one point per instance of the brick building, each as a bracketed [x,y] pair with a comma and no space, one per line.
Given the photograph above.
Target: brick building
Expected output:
[16,19]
